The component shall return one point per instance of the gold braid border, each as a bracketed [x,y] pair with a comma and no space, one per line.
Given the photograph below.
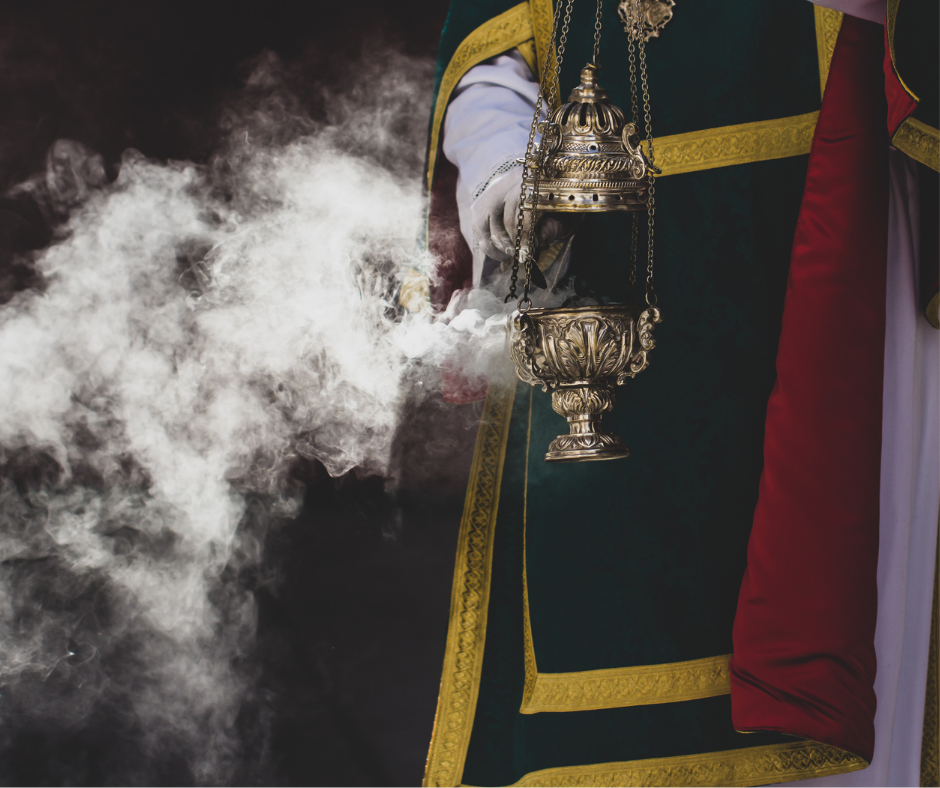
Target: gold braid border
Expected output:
[542,18]
[635,686]
[828,23]
[930,743]
[466,633]
[531,668]
[919,141]
[610,688]
[762,140]
[463,663]
[678,153]
[772,763]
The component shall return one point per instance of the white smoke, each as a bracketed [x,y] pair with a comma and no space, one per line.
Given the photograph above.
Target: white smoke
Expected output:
[199,329]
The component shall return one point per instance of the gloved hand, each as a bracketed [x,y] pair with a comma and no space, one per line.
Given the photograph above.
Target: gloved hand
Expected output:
[493,217]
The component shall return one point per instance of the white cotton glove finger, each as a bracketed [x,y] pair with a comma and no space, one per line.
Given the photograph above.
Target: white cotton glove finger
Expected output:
[511,213]
[485,241]
[488,214]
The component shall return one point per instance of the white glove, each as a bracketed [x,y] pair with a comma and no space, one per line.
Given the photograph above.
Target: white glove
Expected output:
[494,213]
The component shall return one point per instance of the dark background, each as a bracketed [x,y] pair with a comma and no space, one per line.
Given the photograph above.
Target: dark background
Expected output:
[152,75]
[351,633]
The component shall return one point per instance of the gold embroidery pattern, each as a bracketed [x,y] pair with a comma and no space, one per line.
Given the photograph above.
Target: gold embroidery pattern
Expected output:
[464,657]
[531,667]
[727,145]
[930,743]
[542,20]
[493,37]
[527,50]
[828,23]
[919,141]
[676,154]
[740,144]
[634,686]
[750,766]
[466,632]
[542,16]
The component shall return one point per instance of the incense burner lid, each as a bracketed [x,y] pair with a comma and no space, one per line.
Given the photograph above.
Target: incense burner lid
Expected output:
[589,159]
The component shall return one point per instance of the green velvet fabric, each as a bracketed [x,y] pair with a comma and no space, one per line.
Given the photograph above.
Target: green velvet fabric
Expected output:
[715,64]
[639,561]
[721,63]
[462,19]
[916,55]
[660,538]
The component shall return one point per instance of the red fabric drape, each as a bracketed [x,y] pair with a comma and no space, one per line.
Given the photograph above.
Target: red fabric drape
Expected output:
[804,659]
[900,103]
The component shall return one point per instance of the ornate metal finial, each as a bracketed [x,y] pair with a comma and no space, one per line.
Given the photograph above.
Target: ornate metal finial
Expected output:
[589,159]
[649,20]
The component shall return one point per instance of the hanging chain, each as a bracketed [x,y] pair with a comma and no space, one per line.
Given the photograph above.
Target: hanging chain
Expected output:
[634,236]
[635,114]
[650,290]
[562,42]
[527,229]
[597,34]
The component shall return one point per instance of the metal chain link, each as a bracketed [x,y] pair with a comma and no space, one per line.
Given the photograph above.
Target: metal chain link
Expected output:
[597,35]
[522,252]
[634,236]
[650,290]
[530,144]
[635,114]
[562,42]
[527,229]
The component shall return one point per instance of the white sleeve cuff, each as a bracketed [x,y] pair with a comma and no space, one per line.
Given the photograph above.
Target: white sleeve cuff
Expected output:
[486,128]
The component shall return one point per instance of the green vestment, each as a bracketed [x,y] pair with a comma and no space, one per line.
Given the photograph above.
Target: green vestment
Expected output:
[593,603]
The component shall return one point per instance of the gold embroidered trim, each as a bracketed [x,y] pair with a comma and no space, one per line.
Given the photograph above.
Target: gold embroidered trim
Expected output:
[635,686]
[466,632]
[828,23]
[463,661]
[542,20]
[930,743]
[527,50]
[688,152]
[542,16]
[531,668]
[726,145]
[772,763]
[740,144]
[493,37]
[919,141]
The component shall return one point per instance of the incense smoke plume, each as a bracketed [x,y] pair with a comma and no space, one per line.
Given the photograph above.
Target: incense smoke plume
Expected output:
[197,329]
